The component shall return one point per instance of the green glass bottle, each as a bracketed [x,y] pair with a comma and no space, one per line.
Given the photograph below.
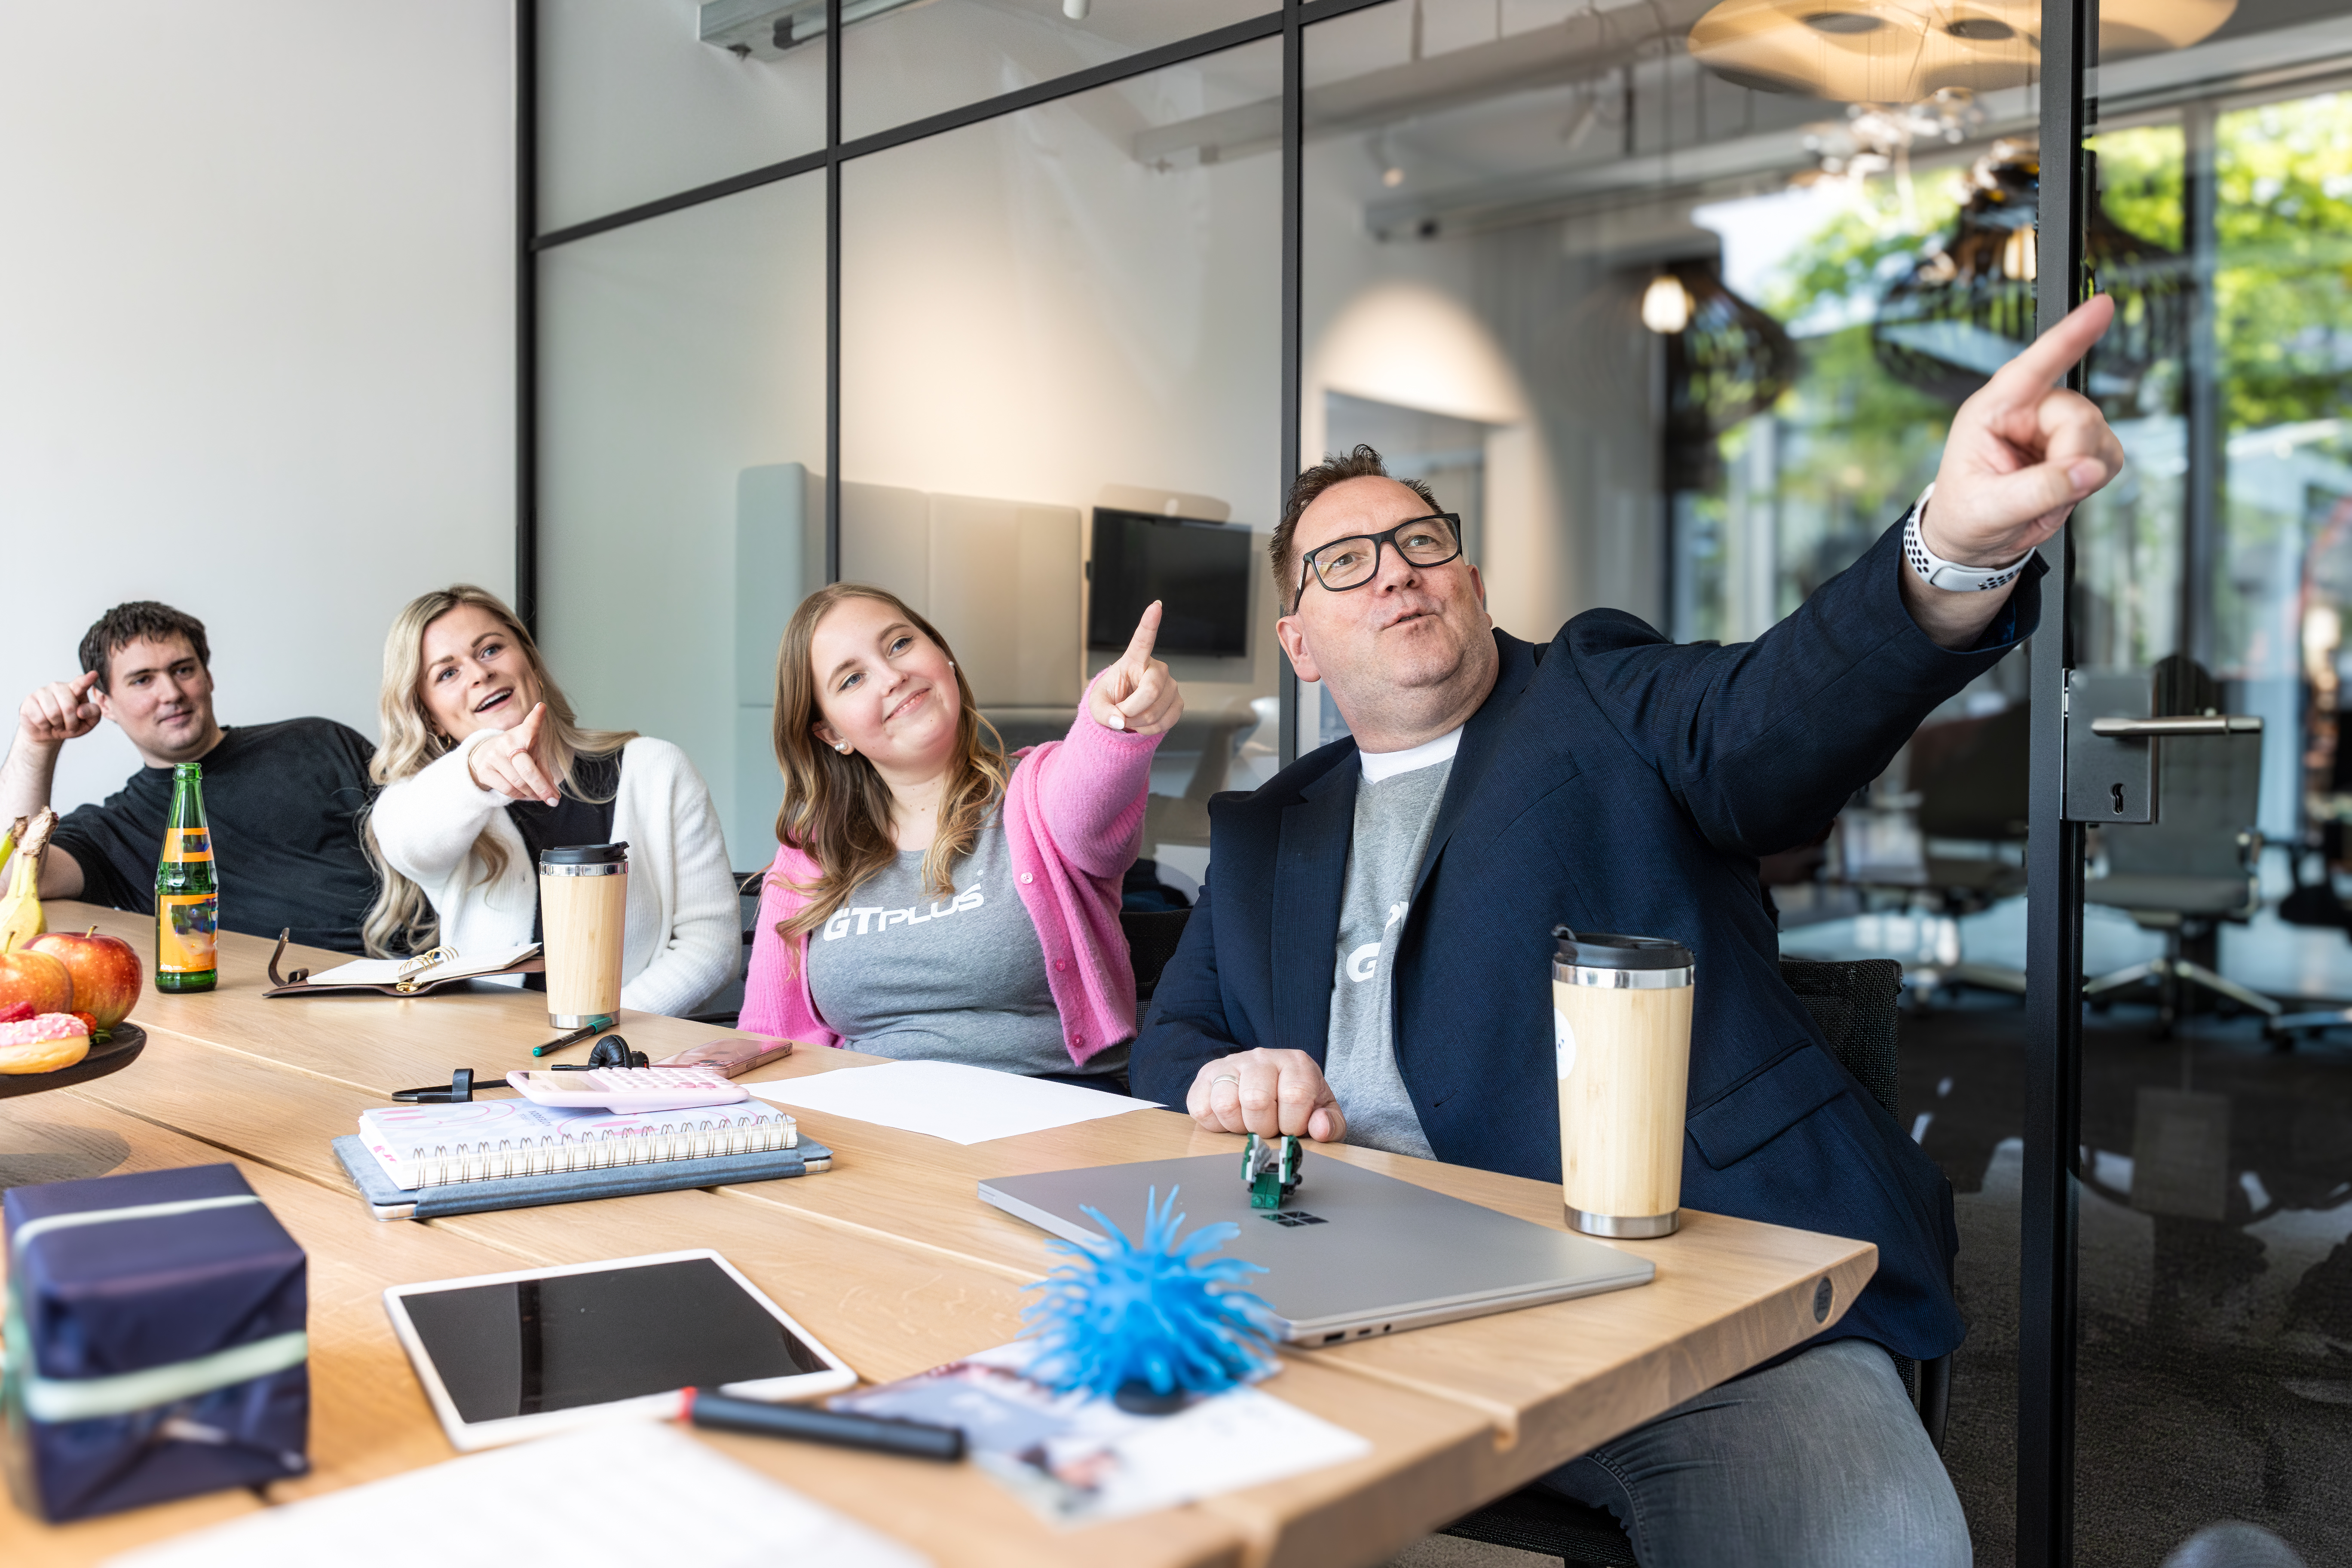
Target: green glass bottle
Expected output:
[187,890]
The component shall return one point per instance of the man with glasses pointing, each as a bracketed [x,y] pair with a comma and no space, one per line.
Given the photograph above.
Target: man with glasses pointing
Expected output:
[1367,960]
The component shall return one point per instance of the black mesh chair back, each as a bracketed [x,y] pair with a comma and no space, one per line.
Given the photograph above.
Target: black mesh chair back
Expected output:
[723,1007]
[1151,939]
[1858,1007]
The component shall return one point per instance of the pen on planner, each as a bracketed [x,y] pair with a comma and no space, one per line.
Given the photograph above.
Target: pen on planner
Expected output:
[913,1439]
[595,1026]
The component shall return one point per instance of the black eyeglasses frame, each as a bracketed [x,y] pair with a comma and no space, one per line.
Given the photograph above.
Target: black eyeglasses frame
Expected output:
[1310,568]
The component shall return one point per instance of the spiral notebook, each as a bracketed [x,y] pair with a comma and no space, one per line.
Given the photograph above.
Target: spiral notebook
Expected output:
[497,1140]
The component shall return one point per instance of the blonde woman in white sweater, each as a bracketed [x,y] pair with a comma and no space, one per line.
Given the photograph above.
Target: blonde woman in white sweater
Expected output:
[483,766]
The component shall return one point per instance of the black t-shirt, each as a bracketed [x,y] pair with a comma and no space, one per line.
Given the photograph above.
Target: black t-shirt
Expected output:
[570,821]
[283,801]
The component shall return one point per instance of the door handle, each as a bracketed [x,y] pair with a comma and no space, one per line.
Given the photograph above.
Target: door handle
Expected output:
[2111,747]
[2190,724]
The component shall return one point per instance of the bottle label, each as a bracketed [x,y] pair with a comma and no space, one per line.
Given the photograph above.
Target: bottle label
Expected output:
[184,844]
[185,934]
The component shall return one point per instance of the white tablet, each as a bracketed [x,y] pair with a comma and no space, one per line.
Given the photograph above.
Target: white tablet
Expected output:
[504,1357]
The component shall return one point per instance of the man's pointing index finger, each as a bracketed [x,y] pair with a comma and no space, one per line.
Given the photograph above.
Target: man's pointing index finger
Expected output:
[2042,362]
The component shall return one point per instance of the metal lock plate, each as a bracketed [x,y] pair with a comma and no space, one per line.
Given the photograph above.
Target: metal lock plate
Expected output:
[2109,779]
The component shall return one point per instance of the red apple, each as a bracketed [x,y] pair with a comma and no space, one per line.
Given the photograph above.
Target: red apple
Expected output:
[39,978]
[106,972]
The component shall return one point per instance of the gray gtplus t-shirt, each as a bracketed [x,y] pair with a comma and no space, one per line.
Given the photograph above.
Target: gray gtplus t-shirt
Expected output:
[1395,811]
[901,973]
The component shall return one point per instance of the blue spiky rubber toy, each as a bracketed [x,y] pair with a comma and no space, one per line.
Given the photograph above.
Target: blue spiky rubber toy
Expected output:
[1146,1322]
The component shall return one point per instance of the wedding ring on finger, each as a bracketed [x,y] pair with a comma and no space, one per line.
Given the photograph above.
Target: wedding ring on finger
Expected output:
[1233,1078]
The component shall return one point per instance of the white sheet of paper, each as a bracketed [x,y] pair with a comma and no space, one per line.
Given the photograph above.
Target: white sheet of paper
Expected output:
[677,1502]
[947,1099]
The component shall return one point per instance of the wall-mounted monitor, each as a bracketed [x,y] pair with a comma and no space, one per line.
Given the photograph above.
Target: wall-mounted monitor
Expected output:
[1199,571]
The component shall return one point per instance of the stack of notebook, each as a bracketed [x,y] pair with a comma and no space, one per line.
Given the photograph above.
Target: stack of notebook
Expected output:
[420,1162]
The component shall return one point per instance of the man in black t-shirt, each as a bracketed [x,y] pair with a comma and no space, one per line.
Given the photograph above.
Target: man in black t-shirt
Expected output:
[283,800]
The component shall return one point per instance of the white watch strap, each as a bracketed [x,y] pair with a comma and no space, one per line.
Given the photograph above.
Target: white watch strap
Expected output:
[1950,575]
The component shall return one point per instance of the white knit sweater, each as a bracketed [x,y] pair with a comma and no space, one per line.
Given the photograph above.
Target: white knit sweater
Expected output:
[682,937]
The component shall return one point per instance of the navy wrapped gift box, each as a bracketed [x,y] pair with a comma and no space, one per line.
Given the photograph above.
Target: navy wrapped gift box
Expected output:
[155,1342]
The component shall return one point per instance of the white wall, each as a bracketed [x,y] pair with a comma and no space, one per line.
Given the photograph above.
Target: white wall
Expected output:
[256,334]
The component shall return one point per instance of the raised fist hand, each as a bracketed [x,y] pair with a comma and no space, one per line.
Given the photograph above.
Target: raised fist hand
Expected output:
[59,711]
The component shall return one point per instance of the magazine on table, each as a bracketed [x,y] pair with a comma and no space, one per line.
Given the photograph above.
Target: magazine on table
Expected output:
[1079,1458]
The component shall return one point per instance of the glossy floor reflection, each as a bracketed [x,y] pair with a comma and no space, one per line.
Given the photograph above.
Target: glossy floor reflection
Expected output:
[2216,1276]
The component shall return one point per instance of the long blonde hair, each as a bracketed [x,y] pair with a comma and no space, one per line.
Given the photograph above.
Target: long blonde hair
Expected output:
[402,918]
[837,808]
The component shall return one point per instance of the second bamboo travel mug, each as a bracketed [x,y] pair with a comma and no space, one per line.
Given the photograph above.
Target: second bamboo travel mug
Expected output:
[1620,1035]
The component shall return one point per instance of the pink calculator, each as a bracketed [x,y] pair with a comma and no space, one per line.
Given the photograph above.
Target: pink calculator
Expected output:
[629,1088]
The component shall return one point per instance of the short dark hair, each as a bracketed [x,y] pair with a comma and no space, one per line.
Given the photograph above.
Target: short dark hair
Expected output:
[1363,463]
[141,618]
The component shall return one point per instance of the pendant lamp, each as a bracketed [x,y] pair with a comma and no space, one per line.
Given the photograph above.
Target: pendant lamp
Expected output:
[1900,51]
[1726,362]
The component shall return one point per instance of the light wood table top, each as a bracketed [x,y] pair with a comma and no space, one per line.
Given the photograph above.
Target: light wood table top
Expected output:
[893,1261]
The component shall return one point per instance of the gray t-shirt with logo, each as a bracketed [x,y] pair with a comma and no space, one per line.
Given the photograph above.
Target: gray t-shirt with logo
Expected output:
[899,972]
[1394,819]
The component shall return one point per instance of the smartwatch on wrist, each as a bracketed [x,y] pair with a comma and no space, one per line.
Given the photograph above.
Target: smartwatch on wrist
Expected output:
[1950,575]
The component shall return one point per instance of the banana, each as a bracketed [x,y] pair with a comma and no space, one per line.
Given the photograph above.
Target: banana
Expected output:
[20,907]
[8,842]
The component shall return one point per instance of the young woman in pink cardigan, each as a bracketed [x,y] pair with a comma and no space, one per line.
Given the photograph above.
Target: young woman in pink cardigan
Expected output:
[930,896]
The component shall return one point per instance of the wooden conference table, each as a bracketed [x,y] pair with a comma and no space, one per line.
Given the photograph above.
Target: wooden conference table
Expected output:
[892,1260]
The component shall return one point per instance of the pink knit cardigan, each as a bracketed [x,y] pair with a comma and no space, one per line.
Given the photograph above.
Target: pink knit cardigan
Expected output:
[1073,820]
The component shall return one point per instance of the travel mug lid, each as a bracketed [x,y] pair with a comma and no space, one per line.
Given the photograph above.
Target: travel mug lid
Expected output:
[586,855]
[1607,950]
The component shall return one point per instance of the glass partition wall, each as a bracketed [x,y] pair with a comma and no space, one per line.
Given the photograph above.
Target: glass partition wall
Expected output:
[1005,300]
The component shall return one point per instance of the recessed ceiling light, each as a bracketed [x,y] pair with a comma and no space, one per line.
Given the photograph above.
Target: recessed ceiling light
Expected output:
[1843,22]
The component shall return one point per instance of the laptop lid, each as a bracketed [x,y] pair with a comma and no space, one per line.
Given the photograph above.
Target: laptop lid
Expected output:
[1353,1253]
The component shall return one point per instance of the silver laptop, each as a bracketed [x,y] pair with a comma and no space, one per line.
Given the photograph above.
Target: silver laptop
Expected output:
[1351,1253]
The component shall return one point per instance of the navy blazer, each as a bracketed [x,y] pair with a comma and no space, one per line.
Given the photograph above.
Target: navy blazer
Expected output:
[1613,780]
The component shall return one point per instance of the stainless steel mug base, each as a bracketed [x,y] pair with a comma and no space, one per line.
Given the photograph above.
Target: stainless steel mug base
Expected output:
[573,1020]
[1629,1228]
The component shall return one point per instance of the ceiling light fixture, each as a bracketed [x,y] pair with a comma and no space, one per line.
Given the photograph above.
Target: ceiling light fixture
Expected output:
[1901,51]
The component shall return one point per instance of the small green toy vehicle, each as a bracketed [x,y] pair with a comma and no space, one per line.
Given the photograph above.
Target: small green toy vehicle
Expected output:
[1270,1170]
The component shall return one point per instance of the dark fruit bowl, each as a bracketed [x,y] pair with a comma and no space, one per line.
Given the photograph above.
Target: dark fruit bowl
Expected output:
[121,1048]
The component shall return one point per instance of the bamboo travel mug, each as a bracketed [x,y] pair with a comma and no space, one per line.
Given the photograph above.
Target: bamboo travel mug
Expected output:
[584,903]
[1620,1031]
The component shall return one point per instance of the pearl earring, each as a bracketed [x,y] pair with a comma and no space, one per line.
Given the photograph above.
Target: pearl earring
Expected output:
[842,746]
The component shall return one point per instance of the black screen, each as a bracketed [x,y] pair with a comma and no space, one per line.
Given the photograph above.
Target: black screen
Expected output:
[535,1345]
[1199,571]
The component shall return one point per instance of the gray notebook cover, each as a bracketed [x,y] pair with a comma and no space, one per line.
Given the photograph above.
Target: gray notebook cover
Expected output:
[390,1202]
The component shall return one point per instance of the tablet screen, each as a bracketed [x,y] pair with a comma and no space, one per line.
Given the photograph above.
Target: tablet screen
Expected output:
[526,1347]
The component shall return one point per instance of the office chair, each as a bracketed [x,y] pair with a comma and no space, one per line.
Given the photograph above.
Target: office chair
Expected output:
[1971,822]
[723,1007]
[1151,939]
[1858,1007]
[2188,872]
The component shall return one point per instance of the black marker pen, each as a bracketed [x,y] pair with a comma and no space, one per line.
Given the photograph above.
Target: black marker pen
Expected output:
[913,1439]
